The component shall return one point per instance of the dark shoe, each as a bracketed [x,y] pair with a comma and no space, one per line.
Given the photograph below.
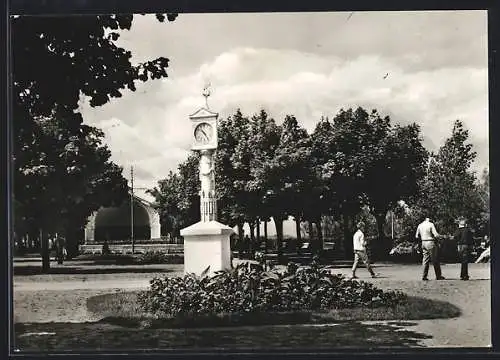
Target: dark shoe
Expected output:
[375,275]
[441,278]
[464,278]
[425,279]
[354,277]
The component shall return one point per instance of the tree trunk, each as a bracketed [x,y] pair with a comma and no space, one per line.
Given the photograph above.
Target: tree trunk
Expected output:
[240,240]
[257,228]
[380,218]
[319,245]
[251,225]
[278,222]
[378,245]
[299,235]
[348,246]
[265,236]
[44,240]
[71,241]
[311,232]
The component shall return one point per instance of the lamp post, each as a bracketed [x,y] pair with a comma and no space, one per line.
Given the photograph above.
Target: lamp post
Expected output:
[132,237]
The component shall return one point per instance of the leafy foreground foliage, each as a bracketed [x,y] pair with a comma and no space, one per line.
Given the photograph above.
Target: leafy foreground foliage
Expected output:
[250,289]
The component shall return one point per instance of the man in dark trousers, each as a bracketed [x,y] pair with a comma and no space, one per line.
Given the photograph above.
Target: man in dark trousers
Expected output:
[464,239]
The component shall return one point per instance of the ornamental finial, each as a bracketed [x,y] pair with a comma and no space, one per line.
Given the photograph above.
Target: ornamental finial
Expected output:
[206,93]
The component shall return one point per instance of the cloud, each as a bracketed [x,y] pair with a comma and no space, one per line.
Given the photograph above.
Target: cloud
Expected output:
[150,127]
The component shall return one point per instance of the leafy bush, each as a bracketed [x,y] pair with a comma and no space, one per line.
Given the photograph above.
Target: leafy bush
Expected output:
[406,251]
[159,257]
[249,289]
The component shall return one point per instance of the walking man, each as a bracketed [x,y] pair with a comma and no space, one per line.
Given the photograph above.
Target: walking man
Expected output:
[464,239]
[427,233]
[359,246]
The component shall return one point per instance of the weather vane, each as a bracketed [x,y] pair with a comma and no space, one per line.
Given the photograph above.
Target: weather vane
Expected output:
[206,93]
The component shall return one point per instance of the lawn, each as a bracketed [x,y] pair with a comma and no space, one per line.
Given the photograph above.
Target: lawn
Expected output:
[122,308]
[126,326]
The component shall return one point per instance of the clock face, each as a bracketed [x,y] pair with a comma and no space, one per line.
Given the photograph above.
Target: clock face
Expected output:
[203,133]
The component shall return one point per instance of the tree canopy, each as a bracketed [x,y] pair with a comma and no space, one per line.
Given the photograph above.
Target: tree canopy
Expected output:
[355,162]
[62,169]
[450,189]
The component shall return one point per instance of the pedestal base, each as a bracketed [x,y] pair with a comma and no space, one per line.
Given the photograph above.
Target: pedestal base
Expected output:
[206,244]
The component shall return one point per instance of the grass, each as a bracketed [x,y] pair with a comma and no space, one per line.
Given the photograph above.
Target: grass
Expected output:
[123,309]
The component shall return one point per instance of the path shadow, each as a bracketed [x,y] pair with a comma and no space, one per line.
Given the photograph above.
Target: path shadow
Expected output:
[89,336]
[37,270]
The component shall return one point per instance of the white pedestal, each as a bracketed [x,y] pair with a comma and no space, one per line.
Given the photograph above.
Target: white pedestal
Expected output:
[206,244]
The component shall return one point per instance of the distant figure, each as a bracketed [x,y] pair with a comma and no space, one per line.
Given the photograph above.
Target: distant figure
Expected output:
[428,234]
[464,239]
[105,246]
[60,244]
[486,254]
[359,246]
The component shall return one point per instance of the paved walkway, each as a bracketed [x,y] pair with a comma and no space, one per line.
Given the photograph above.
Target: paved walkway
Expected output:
[49,300]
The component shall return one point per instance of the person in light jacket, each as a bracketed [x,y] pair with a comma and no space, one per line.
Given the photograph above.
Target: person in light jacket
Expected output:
[359,246]
[427,233]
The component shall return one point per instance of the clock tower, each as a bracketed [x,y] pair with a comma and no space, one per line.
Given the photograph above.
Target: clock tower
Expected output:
[206,243]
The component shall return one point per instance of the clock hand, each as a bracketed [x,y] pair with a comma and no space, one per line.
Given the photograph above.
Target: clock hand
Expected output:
[205,136]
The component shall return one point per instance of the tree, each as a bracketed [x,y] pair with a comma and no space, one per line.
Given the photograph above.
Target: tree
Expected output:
[365,161]
[394,166]
[337,145]
[484,195]
[177,196]
[292,160]
[167,201]
[231,171]
[60,187]
[75,57]
[190,190]
[263,140]
[449,190]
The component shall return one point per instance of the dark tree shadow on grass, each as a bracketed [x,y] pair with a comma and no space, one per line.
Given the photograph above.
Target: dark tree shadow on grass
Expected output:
[37,270]
[100,336]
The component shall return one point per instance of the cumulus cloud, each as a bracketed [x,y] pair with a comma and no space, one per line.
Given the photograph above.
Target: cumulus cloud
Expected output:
[150,128]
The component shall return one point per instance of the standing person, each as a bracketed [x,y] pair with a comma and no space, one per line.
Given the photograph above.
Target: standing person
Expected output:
[60,249]
[428,234]
[359,246]
[464,239]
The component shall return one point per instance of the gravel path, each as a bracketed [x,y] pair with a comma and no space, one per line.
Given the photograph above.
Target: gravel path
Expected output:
[51,300]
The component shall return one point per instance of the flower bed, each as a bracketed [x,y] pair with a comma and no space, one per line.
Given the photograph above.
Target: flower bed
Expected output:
[250,289]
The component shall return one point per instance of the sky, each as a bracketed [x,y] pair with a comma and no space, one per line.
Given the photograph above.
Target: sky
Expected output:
[425,67]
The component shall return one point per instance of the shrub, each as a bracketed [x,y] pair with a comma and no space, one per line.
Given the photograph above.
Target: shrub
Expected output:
[249,289]
[406,251]
[159,257]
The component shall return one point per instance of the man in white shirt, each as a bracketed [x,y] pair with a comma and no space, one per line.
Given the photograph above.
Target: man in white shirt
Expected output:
[427,233]
[359,246]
